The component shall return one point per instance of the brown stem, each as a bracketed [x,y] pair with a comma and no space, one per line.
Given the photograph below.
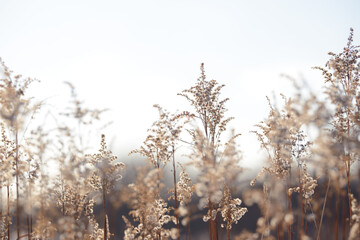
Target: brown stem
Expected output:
[348,168]
[278,232]
[216,227]
[189,235]
[17,185]
[22,236]
[31,228]
[28,226]
[343,215]
[337,215]
[289,199]
[158,179]
[175,193]
[359,177]
[349,191]
[212,225]
[205,125]
[1,204]
[8,210]
[291,232]
[213,230]
[305,223]
[301,217]
[28,220]
[210,231]
[228,227]
[323,210]
[104,205]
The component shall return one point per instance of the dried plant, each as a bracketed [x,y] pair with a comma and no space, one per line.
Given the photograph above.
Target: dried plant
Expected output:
[105,174]
[50,189]
[149,211]
[204,97]
[160,145]
[15,108]
[230,210]
[355,209]
[216,165]
[342,76]
[185,190]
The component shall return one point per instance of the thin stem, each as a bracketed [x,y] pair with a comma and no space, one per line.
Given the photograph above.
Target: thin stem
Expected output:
[1,204]
[337,203]
[314,220]
[28,226]
[301,217]
[104,205]
[175,194]
[189,235]
[349,165]
[323,210]
[31,228]
[343,214]
[278,232]
[228,224]
[212,225]
[28,220]
[8,209]
[289,199]
[17,185]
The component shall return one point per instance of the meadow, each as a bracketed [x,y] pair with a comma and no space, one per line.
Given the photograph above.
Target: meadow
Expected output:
[308,188]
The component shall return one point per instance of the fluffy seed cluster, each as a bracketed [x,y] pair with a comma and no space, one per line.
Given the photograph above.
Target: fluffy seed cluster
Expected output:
[230,209]
[150,213]
[106,171]
[312,148]
[185,188]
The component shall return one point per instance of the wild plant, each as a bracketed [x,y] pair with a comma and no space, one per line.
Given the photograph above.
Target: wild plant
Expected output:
[3,227]
[156,147]
[185,190]
[36,151]
[150,212]
[213,182]
[209,182]
[209,109]
[230,210]
[105,174]
[286,145]
[217,164]
[7,150]
[307,181]
[355,208]
[272,202]
[331,153]
[74,192]
[342,75]
[15,109]
[161,144]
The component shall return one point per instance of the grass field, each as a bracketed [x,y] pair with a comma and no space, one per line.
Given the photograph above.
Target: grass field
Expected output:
[53,186]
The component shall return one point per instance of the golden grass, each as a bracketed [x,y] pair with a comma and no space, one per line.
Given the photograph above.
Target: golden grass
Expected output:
[308,188]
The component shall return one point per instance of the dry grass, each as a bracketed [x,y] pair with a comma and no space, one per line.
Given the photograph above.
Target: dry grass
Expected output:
[308,189]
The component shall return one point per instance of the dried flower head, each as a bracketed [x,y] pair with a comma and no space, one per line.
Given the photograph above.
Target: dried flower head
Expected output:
[230,209]
[204,97]
[106,170]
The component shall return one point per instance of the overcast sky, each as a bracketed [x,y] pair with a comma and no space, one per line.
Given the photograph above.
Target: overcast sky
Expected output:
[129,55]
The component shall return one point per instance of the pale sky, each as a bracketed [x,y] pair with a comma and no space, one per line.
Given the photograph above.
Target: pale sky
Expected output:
[129,55]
